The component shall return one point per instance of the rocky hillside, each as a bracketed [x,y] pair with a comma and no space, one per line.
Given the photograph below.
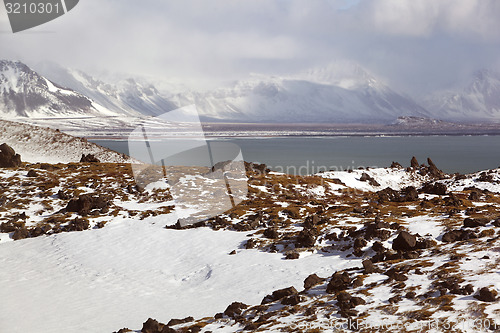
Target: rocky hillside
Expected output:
[420,251]
[38,144]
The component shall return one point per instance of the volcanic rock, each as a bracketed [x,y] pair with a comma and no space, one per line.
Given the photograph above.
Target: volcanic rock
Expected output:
[311,281]
[338,282]
[404,242]
[487,295]
[474,223]
[8,157]
[235,309]
[279,294]
[89,159]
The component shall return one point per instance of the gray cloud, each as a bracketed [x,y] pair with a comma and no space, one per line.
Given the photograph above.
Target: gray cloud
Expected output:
[415,45]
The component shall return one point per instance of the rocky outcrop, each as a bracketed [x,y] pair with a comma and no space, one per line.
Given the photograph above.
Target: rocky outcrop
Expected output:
[8,157]
[86,203]
[89,158]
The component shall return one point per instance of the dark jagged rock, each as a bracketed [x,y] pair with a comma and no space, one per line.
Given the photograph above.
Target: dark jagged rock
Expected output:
[313,220]
[123,330]
[89,158]
[77,225]
[311,281]
[279,294]
[63,195]
[367,178]
[474,196]
[151,326]
[338,282]
[359,243]
[378,247]
[396,275]
[426,243]
[457,235]
[433,170]
[87,202]
[485,177]
[410,194]
[305,239]
[368,266]
[487,295]
[407,194]
[235,309]
[474,223]
[434,188]
[396,165]
[292,300]
[452,200]
[8,157]
[404,242]
[271,233]
[20,233]
[414,163]
[250,244]
[32,173]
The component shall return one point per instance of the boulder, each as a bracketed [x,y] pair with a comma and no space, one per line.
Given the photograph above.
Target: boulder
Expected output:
[404,242]
[235,309]
[151,326]
[368,266]
[487,295]
[271,233]
[8,157]
[409,194]
[457,235]
[90,158]
[474,223]
[279,294]
[434,188]
[338,282]
[433,170]
[414,163]
[305,239]
[311,281]
[87,202]
[32,173]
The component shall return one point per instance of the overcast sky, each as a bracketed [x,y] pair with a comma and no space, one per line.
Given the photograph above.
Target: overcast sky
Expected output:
[415,45]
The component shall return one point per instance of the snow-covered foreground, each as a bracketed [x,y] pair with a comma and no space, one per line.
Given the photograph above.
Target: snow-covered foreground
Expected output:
[389,246]
[100,280]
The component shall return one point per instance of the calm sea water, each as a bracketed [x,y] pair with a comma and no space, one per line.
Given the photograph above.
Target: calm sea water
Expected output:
[306,155]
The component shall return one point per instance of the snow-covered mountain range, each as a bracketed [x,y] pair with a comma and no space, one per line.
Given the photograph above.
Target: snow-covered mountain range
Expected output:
[296,99]
[478,101]
[25,93]
[125,96]
[342,92]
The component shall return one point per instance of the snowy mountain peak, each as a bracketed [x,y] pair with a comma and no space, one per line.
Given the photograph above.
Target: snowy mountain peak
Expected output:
[25,93]
[127,96]
[344,74]
[477,101]
[485,81]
